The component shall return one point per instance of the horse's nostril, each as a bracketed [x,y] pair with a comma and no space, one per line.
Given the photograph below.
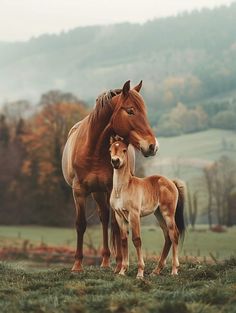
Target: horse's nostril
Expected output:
[151,147]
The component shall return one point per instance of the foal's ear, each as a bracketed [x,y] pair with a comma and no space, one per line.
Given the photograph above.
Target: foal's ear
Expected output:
[126,88]
[112,140]
[139,86]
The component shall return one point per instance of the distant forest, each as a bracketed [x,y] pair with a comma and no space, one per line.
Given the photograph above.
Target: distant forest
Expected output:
[187,63]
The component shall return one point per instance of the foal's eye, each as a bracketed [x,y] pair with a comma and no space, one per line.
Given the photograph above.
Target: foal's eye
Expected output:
[130,111]
[124,150]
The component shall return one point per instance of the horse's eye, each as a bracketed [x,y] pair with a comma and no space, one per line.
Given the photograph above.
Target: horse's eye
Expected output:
[130,111]
[124,150]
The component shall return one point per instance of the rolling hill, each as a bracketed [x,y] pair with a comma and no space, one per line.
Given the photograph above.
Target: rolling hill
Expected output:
[187,58]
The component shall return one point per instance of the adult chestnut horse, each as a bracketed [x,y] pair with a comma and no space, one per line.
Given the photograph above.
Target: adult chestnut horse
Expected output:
[86,161]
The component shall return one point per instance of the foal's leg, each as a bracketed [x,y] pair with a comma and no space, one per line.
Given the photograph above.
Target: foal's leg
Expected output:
[124,243]
[81,224]
[103,210]
[136,238]
[167,244]
[117,238]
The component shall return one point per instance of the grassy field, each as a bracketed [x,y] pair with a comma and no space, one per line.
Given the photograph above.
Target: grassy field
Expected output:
[205,145]
[198,288]
[186,155]
[202,241]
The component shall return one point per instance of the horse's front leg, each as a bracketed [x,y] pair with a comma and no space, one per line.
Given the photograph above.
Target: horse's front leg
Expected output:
[81,224]
[103,211]
[136,238]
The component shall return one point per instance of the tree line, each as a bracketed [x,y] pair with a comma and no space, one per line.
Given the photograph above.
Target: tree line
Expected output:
[32,188]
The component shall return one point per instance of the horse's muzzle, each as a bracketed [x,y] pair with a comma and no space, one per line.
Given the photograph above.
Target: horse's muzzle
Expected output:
[152,150]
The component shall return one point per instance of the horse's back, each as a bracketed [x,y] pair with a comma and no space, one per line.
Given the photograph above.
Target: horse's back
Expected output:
[67,155]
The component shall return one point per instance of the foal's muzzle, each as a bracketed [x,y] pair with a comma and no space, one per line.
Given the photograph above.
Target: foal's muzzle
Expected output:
[115,163]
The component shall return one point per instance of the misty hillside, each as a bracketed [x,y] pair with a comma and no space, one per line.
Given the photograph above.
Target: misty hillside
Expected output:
[185,59]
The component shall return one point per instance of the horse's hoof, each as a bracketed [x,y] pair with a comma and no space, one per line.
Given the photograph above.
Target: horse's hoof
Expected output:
[105,265]
[77,267]
[78,271]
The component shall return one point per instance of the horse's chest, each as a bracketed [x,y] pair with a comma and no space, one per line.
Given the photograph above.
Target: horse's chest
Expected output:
[97,181]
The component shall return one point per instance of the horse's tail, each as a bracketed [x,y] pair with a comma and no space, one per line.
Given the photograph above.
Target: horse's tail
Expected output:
[179,213]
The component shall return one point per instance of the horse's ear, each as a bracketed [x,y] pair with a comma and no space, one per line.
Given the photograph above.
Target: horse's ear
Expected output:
[126,88]
[139,86]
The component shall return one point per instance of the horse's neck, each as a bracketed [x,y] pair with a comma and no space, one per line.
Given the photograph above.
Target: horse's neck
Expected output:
[121,177]
[99,119]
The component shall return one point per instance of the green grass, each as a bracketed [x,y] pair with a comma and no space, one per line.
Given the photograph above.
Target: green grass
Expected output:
[202,241]
[198,288]
[205,145]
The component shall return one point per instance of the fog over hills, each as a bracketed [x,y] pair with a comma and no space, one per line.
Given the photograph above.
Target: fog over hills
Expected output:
[186,58]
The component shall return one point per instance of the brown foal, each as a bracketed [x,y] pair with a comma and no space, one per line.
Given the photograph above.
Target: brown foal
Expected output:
[134,197]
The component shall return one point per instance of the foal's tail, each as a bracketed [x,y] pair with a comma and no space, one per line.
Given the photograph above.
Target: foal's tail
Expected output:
[179,213]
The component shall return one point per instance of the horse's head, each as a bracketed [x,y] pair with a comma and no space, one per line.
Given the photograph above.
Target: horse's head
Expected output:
[118,151]
[129,120]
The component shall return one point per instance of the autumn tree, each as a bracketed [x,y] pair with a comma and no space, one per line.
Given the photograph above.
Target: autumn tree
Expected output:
[42,166]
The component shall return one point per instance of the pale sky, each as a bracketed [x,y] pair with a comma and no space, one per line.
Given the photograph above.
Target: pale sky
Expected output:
[22,19]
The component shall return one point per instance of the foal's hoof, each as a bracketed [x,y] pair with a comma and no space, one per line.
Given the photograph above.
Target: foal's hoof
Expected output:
[121,274]
[139,277]
[155,273]
[117,269]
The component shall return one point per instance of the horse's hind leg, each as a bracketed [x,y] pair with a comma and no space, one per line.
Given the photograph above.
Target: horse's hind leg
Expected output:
[81,224]
[169,217]
[103,210]
[167,245]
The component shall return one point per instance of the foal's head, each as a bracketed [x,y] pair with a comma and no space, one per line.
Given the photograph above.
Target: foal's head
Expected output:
[130,121]
[118,152]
